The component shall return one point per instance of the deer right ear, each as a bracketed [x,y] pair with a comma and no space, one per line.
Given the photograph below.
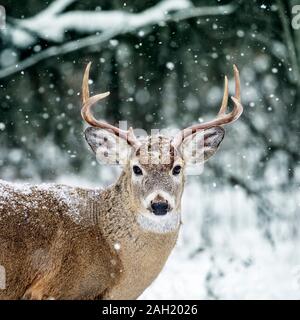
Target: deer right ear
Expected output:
[109,148]
[200,146]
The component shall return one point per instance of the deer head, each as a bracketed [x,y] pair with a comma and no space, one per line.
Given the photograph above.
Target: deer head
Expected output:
[154,165]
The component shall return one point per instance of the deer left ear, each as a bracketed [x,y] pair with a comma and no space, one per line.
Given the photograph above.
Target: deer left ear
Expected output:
[109,148]
[201,145]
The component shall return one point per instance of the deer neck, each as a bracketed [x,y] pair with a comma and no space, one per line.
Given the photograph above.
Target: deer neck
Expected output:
[121,219]
[142,251]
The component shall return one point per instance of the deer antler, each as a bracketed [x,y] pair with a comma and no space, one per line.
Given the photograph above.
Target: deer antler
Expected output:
[222,118]
[88,102]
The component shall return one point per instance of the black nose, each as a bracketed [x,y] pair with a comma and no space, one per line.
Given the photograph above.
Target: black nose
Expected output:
[160,208]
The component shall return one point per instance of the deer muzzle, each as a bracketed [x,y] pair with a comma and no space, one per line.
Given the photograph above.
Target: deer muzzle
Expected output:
[160,208]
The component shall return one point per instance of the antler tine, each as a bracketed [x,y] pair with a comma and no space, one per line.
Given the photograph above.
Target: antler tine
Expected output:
[87,115]
[237,83]
[238,108]
[87,101]
[222,118]
[225,98]
[85,84]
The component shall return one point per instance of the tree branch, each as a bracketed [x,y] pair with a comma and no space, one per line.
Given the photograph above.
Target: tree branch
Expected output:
[49,26]
[112,24]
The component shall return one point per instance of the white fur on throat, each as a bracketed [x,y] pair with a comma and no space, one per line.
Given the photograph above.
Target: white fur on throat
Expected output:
[159,224]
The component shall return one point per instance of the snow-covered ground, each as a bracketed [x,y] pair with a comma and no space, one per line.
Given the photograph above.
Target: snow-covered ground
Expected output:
[267,273]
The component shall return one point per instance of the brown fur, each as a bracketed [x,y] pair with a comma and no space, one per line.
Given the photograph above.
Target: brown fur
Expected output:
[48,251]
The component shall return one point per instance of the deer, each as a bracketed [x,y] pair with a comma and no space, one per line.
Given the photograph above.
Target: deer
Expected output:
[64,242]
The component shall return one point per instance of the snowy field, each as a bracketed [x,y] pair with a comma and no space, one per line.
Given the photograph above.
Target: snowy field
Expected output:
[250,269]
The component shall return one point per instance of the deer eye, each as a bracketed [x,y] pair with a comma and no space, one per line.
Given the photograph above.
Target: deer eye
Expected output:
[176,170]
[137,170]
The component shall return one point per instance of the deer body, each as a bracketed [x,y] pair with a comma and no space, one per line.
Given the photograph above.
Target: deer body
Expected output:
[59,242]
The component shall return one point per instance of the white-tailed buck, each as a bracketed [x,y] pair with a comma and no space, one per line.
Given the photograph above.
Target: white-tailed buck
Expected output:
[59,242]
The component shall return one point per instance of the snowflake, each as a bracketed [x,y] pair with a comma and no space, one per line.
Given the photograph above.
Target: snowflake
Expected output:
[117,246]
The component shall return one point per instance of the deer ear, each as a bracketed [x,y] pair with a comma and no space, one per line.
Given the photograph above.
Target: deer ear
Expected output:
[109,148]
[201,145]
